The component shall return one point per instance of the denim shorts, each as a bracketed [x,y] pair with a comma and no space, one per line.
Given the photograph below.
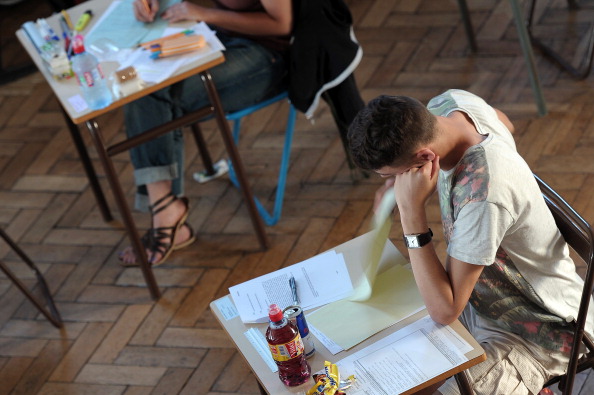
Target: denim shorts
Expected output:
[250,74]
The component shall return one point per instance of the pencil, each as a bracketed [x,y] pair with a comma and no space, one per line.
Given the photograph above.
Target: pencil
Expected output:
[147,8]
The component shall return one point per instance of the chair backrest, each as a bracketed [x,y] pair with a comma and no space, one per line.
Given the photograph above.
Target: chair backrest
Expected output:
[577,232]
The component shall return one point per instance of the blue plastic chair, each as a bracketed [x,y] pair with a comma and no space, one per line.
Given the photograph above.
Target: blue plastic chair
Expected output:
[268,218]
[221,167]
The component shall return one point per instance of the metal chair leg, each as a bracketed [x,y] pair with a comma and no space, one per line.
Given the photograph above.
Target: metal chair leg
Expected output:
[467,25]
[52,315]
[547,51]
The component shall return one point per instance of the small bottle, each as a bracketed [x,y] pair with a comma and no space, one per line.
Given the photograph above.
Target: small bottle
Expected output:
[89,76]
[286,347]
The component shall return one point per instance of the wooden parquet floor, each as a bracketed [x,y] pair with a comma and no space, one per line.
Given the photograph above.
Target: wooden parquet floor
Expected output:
[116,339]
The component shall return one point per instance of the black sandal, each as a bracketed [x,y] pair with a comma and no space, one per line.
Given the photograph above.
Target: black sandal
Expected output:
[160,240]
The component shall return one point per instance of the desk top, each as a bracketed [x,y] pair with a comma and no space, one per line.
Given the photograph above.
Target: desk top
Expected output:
[353,254]
[67,88]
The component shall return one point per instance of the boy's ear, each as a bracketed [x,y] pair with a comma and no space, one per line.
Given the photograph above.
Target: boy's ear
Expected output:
[425,155]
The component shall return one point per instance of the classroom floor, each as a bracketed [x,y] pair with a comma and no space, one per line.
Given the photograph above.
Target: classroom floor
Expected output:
[116,339]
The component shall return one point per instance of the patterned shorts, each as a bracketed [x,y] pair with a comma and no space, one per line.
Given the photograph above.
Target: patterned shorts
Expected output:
[513,365]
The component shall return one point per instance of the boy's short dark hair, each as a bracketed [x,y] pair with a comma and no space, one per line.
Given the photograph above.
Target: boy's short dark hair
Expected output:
[388,130]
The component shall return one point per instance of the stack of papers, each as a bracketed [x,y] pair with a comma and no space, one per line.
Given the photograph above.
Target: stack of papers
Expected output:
[320,280]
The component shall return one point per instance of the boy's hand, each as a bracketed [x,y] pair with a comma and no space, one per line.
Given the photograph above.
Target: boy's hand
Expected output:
[414,187]
[388,187]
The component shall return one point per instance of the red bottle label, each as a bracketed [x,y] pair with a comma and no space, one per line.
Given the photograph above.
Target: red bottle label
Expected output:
[286,351]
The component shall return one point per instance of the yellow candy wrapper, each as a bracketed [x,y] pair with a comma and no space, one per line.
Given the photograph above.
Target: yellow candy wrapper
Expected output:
[328,383]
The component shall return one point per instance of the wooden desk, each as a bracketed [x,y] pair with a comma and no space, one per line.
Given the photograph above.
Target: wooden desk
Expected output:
[353,252]
[66,88]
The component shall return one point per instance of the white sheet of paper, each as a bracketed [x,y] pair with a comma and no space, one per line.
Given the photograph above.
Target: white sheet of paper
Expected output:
[153,71]
[403,360]
[320,280]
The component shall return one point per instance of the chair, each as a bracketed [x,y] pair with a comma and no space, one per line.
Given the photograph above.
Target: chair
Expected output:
[524,40]
[549,52]
[268,218]
[52,315]
[578,234]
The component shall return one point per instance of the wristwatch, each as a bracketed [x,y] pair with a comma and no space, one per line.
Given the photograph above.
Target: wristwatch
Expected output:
[418,240]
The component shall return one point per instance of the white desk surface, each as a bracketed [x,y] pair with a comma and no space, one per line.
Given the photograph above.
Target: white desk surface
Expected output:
[63,89]
[353,254]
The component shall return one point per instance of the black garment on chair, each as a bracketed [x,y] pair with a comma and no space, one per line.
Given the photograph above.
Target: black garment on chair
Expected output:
[323,55]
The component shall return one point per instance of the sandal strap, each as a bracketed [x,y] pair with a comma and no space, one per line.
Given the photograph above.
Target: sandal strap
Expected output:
[159,206]
[155,239]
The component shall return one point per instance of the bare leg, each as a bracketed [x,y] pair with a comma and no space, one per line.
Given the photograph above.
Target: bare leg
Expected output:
[165,218]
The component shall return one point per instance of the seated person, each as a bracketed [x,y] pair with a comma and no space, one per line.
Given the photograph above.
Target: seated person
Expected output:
[508,276]
[256,37]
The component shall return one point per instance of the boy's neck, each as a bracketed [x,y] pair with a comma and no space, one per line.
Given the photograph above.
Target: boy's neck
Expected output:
[456,133]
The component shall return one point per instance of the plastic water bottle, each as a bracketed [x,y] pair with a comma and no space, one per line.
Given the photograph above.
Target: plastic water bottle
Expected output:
[89,76]
[286,347]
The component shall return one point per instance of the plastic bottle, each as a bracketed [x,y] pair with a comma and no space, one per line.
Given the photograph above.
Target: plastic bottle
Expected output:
[89,76]
[286,347]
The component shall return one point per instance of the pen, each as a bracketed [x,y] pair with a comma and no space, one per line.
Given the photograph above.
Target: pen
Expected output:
[65,34]
[293,286]
[66,17]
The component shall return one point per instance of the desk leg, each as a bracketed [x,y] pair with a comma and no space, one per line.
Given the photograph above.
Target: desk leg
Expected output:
[52,315]
[529,57]
[235,159]
[88,167]
[120,198]
[262,390]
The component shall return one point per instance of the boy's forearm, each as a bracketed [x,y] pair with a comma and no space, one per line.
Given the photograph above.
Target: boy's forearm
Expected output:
[431,277]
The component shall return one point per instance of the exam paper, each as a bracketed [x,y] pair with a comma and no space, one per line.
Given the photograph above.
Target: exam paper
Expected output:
[320,280]
[404,359]
[119,26]
[395,296]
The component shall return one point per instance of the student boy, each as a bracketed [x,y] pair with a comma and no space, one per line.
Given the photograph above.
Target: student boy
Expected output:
[508,275]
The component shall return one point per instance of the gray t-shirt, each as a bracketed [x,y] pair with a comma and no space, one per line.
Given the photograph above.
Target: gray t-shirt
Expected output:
[494,215]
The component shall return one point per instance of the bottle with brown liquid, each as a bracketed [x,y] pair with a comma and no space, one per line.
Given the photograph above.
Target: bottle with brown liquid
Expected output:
[286,347]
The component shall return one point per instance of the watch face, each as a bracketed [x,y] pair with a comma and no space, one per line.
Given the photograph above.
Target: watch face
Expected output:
[413,242]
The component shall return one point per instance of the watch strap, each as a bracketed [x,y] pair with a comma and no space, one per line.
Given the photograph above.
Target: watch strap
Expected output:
[418,240]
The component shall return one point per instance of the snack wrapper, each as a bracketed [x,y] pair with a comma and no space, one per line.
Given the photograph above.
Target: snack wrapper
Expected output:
[329,383]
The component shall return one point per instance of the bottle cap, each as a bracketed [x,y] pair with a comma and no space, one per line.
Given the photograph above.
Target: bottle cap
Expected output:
[275,313]
[78,44]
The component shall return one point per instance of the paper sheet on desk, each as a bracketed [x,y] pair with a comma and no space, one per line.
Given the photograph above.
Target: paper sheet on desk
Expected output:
[154,71]
[347,323]
[407,358]
[379,300]
[118,25]
[320,280]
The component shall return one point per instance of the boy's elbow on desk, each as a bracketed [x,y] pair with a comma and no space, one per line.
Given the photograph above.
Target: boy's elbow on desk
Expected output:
[443,316]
